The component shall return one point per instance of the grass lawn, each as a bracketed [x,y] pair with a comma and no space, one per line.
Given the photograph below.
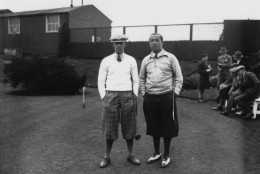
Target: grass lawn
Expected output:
[55,135]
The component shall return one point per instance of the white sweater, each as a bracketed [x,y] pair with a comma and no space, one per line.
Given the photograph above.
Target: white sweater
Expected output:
[116,76]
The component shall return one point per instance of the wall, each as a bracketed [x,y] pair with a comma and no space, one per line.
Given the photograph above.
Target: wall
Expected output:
[1,35]
[242,35]
[82,23]
[33,39]
[88,17]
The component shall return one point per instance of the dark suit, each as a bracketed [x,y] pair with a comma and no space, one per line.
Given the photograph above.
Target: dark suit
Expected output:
[244,61]
[249,88]
[224,62]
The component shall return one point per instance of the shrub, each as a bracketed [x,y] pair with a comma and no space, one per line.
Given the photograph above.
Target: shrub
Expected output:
[191,82]
[43,76]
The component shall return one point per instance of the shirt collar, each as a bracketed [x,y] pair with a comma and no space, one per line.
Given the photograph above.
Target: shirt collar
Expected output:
[160,54]
[121,55]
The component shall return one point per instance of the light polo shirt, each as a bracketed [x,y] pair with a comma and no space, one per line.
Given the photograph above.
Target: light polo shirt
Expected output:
[118,76]
[160,75]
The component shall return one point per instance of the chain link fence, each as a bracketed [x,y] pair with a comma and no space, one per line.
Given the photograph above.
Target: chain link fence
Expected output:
[188,41]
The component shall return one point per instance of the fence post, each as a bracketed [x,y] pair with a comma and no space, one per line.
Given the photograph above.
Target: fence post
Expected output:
[124,30]
[190,42]
[156,28]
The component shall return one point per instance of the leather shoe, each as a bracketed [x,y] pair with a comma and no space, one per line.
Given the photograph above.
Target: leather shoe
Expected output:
[202,101]
[104,163]
[154,158]
[165,162]
[249,115]
[133,160]
[239,113]
[225,112]
[137,137]
[219,107]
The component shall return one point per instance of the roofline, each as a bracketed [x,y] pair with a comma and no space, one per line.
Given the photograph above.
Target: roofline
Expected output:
[44,12]
[100,12]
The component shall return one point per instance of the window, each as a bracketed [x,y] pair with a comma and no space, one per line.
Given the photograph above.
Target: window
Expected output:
[98,38]
[14,25]
[52,23]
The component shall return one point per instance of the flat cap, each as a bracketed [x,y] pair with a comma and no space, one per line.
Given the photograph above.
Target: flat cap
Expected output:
[119,38]
[240,67]
[235,69]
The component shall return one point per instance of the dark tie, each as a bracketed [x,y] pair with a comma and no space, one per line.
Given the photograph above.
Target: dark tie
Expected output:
[156,55]
[118,58]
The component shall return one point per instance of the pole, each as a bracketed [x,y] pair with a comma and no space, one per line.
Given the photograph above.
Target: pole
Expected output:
[190,41]
[83,96]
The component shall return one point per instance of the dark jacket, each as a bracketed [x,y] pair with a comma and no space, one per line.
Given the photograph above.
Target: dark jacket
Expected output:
[245,62]
[204,76]
[250,83]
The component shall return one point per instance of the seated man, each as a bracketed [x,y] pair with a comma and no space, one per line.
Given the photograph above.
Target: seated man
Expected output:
[225,88]
[233,92]
[249,88]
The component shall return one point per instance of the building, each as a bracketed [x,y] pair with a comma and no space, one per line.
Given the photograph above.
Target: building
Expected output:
[48,32]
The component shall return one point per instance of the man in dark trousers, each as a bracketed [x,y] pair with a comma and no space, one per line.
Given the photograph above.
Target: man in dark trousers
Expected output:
[249,88]
[224,62]
[160,81]
[118,89]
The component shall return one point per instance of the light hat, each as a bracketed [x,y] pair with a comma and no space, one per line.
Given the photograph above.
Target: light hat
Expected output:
[119,38]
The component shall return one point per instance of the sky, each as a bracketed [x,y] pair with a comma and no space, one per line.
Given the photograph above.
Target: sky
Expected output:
[152,12]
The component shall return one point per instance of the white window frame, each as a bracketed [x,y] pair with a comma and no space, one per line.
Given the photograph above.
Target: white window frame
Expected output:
[56,29]
[14,28]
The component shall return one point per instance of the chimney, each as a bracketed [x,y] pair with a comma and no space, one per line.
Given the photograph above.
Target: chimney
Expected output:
[71,5]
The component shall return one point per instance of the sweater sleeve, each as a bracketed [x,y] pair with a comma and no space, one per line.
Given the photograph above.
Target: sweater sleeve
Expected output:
[102,74]
[177,77]
[134,73]
[142,77]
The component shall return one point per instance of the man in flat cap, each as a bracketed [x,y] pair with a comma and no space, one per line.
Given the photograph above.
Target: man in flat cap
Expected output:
[229,90]
[118,89]
[249,88]
[224,62]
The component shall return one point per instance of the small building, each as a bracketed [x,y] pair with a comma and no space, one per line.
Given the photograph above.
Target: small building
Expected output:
[48,32]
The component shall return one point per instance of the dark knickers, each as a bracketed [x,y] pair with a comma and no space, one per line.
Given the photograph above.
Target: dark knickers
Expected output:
[158,111]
